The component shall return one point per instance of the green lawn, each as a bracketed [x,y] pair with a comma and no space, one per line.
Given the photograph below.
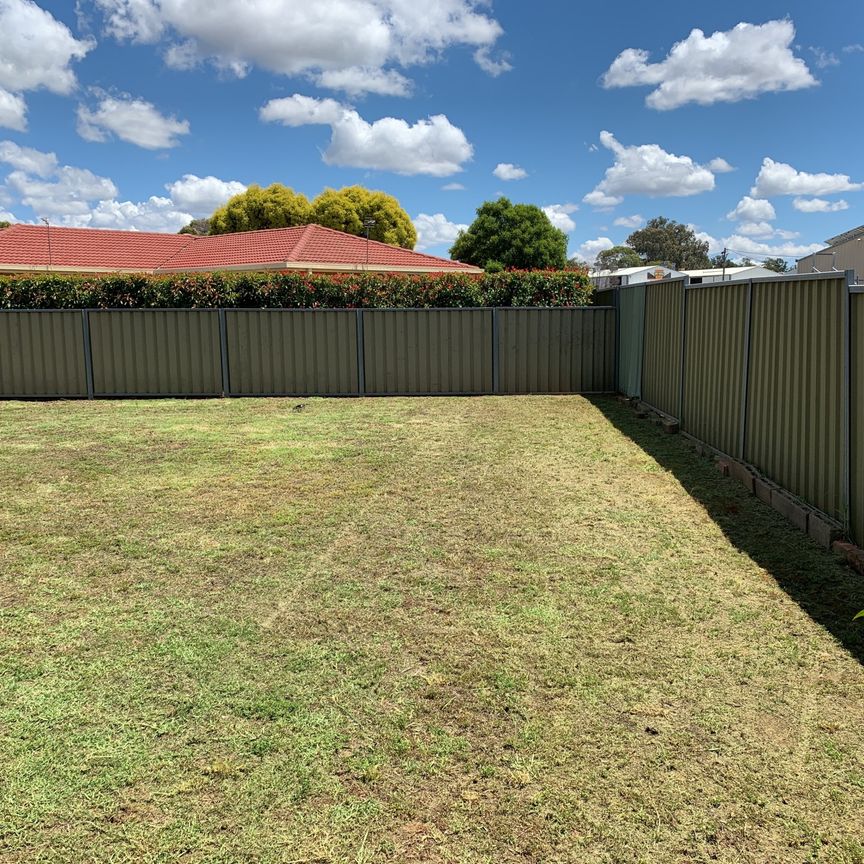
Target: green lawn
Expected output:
[432,630]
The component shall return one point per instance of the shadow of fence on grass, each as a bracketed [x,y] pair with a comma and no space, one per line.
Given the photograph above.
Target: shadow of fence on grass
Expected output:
[829,591]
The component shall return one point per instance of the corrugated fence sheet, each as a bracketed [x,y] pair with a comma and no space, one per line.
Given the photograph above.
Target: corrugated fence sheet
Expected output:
[556,350]
[794,427]
[631,332]
[42,354]
[857,420]
[156,352]
[714,364]
[292,352]
[416,351]
[661,364]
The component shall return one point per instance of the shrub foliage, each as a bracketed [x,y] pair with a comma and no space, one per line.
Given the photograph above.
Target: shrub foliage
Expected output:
[295,290]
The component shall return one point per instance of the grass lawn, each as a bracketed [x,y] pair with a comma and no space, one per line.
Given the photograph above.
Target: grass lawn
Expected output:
[411,630]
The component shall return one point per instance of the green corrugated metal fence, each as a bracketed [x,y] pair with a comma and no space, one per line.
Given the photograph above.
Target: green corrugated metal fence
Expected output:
[661,363]
[556,350]
[857,418]
[631,333]
[714,364]
[256,352]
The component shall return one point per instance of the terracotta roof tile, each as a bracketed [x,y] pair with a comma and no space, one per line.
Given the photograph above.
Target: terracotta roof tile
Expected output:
[25,247]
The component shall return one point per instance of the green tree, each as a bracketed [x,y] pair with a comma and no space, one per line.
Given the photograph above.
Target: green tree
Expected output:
[4,224]
[277,206]
[196,226]
[350,208]
[665,240]
[513,235]
[778,265]
[616,258]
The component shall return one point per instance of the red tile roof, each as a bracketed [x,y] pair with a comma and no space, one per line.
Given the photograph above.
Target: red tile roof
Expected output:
[25,247]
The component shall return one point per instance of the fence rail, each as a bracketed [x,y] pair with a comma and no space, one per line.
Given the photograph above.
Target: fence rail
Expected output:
[114,353]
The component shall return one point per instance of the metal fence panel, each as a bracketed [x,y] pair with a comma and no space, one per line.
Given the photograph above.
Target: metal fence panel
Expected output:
[604,297]
[856,502]
[795,431]
[631,333]
[661,365]
[292,352]
[556,350]
[42,354]
[415,351]
[156,352]
[714,365]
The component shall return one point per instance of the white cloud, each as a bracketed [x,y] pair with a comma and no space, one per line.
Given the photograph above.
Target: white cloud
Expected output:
[432,146]
[27,159]
[728,66]
[36,49]
[298,37]
[746,246]
[752,210]
[453,187]
[634,221]
[590,249]
[154,214]
[647,169]
[6,216]
[436,230]
[356,80]
[559,216]
[483,58]
[132,120]
[79,198]
[819,205]
[200,196]
[13,111]
[855,48]
[509,171]
[778,178]
[720,166]
[756,229]
[68,194]
[825,58]
[715,246]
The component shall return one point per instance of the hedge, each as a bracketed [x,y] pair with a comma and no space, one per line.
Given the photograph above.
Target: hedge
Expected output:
[297,290]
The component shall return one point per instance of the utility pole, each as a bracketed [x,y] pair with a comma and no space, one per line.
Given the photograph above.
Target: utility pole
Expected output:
[723,276]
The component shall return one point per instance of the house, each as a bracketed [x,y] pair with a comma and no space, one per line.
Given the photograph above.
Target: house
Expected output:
[630,275]
[727,274]
[844,252]
[307,249]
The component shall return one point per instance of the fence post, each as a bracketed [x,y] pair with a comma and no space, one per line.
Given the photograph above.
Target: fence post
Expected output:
[745,384]
[496,358]
[361,355]
[684,285]
[846,492]
[616,294]
[88,351]
[223,353]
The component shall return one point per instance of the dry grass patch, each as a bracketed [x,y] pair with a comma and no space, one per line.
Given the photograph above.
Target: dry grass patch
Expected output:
[432,630]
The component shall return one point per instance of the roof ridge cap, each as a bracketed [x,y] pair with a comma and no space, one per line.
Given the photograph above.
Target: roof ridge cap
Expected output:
[308,230]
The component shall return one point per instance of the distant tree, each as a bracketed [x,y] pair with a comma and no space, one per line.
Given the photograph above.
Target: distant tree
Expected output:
[513,235]
[746,262]
[721,260]
[277,206]
[778,265]
[576,263]
[4,224]
[665,240]
[196,226]
[349,208]
[616,258]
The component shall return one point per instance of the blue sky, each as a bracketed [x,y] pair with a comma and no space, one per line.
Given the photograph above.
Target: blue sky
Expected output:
[142,113]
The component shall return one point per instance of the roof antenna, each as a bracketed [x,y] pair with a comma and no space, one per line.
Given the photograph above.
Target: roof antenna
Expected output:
[48,226]
[367,224]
